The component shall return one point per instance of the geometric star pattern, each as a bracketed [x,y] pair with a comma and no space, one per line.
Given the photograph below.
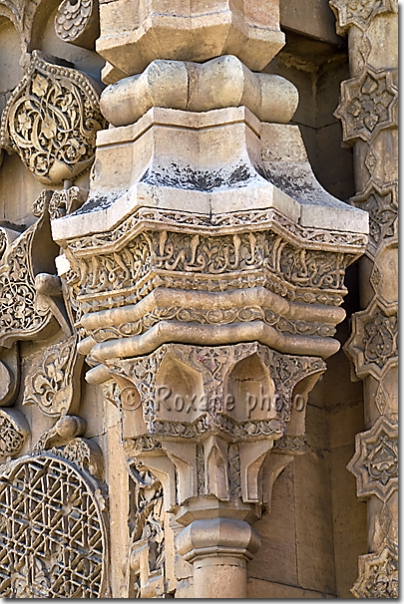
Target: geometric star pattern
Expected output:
[378,573]
[372,345]
[359,12]
[368,104]
[381,202]
[375,463]
[52,536]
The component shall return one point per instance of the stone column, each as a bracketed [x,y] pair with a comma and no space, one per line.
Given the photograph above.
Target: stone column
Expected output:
[368,111]
[206,270]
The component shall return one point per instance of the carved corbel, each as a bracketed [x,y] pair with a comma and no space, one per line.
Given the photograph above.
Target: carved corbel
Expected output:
[78,22]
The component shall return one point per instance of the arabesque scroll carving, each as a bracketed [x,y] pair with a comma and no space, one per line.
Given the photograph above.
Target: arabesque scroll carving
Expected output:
[51,120]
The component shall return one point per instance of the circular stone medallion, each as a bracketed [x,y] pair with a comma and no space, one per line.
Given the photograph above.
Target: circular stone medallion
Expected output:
[52,533]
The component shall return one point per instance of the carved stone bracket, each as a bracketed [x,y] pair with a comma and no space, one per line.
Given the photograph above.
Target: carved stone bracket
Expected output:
[378,573]
[51,120]
[375,463]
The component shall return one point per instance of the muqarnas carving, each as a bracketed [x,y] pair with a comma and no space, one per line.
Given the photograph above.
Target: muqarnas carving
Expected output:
[51,120]
[46,552]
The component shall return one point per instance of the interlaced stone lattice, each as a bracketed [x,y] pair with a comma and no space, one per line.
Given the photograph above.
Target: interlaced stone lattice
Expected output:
[52,538]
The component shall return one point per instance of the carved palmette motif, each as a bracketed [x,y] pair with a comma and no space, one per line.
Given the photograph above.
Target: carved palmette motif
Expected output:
[24,313]
[47,552]
[51,120]
[54,383]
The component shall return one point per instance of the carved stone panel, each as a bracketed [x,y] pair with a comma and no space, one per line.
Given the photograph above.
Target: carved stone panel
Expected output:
[359,12]
[53,384]
[368,104]
[378,573]
[51,120]
[375,463]
[373,343]
[51,530]
[14,431]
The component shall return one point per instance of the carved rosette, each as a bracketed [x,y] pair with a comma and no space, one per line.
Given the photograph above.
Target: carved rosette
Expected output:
[378,573]
[375,463]
[368,104]
[51,120]
[47,553]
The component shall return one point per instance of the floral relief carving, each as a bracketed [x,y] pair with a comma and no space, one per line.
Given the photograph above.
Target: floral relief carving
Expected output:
[47,552]
[373,343]
[51,121]
[23,313]
[378,573]
[368,104]
[53,384]
[359,12]
[147,549]
[382,204]
[375,463]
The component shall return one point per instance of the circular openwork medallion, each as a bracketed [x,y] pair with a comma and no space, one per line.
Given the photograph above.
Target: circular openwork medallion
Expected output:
[52,534]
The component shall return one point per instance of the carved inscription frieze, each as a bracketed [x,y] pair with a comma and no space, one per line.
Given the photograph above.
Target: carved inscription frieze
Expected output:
[375,463]
[51,121]
[52,531]
[368,104]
